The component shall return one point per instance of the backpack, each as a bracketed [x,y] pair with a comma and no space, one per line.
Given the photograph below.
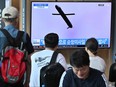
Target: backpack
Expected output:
[50,74]
[13,58]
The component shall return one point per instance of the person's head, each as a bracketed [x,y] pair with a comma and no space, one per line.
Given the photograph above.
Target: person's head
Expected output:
[10,14]
[79,60]
[51,40]
[91,45]
[112,73]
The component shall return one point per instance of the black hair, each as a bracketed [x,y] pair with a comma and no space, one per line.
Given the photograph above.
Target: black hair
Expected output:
[112,73]
[79,58]
[51,40]
[92,45]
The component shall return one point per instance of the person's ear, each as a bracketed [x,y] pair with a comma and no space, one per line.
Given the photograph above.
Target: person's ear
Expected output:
[17,19]
[2,19]
[85,48]
[17,22]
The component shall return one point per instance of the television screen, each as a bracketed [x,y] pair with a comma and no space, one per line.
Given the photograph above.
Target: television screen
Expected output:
[74,22]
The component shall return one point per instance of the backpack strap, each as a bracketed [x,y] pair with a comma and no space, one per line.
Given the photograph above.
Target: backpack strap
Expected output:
[11,40]
[54,56]
[18,39]
[8,36]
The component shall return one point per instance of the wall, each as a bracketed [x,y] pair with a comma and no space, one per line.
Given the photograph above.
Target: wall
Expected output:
[105,53]
[114,30]
[1,8]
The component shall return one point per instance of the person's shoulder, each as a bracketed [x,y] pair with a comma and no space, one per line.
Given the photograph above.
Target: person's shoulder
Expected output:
[35,53]
[95,72]
[60,55]
[69,71]
[25,33]
[100,58]
[70,74]
[1,34]
[42,53]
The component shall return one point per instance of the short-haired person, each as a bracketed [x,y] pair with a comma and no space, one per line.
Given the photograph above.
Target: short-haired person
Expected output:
[10,18]
[91,46]
[51,43]
[81,75]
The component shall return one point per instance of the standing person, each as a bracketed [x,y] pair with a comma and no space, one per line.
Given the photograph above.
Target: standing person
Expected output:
[81,75]
[42,58]
[10,18]
[91,46]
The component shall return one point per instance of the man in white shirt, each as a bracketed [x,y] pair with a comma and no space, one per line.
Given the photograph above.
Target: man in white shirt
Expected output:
[42,58]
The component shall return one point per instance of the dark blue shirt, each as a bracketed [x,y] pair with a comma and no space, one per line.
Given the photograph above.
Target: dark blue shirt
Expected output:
[95,79]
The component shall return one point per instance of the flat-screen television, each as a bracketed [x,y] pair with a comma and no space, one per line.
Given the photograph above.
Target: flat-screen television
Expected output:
[74,22]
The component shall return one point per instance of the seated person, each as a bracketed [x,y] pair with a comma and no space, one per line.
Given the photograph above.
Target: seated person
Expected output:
[81,75]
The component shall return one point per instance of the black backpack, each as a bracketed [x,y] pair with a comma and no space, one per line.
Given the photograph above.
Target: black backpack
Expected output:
[50,75]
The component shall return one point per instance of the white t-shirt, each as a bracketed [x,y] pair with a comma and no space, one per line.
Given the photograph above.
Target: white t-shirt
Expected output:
[98,63]
[40,59]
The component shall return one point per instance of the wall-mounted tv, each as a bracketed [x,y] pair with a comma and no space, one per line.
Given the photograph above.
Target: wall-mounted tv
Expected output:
[74,22]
